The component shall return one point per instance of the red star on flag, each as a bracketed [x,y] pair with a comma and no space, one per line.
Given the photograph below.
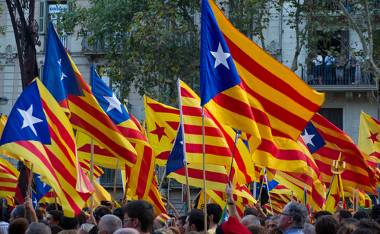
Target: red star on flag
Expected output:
[373,137]
[159,131]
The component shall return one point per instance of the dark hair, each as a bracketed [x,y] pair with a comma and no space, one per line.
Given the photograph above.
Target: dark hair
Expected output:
[197,218]
[352,220]
[172,216]
[55,228]
[326,224]
[375,211]
[51,206]
[119,213]
[216,210]
[182,219]
[69,223]
[18,226]
[251,211]
[19,212]
[256,229]
[344,214]
[57,215]
[143,211]
[367,223]
[39,214]
[363,231]
[82,218]
[276,230]
[361,214]
[100,211]
[347,228]
[321,213]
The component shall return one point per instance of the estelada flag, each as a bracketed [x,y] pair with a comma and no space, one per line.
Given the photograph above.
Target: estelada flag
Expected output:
[8,179]
[335,193]
[39,130]
[368,136]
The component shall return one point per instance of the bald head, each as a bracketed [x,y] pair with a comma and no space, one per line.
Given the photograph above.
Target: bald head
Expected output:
[127,231]
[250,219]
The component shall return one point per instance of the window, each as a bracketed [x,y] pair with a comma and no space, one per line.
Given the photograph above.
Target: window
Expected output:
[334,115]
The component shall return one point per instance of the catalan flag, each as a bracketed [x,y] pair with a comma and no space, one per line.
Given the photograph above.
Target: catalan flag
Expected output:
[39,130]
[357,173]
[86,166]
[279,100]
[8,179]
[368,136]
[220,84]
[66,84]
[154,197]
[335,193]
[3,121]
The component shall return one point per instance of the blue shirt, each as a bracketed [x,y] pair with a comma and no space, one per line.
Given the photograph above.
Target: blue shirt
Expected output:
[329,62]
[294,231]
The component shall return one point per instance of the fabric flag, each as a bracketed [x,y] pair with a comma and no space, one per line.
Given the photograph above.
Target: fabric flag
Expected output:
[8,178]
[224,217]
[162,124]
[41,188]
[220,85]
[34,199]
[335,193]
[85,164]
[100,194]
[312,138]
[154,197]
[3,121]
[66,84]
[39,130]
[357,173]
[176,157]
[368,140]
[279,100]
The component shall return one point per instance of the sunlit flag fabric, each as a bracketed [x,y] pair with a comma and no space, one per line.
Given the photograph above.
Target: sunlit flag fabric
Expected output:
[335,193]
[86,164]
[357,173]
[41,188]
[39,130]
[8,178]
[66,84]
[220,84]
[314,141]
[3,121]
[368,136]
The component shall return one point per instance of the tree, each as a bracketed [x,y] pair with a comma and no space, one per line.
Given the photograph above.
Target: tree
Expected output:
[2,28]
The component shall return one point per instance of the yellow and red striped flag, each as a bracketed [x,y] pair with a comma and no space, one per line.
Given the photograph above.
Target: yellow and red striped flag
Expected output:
[64,81]
[368,136]
[335,193]
[8,179]
[357,173]
[85,164]
[39,130]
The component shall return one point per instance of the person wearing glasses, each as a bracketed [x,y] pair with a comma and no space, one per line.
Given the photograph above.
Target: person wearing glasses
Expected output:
[139,214]
[293,218]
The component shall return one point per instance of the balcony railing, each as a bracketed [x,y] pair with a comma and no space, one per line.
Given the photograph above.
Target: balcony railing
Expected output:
[108,177]
[330,75]
[64,40]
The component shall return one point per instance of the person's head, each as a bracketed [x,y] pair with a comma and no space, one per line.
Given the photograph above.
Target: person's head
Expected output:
[195,221]
[82,218]
[38,228]
[181,221]
[56,229]
[69,223]
[273,222]
[54,217]
[51,206]
[18,226]
[85,228]
[276,230]
[370,224]
[251,211]
[320,214]
[294,215]
[347,228]
[109,224]
[375,211]
[119,213]
[39,214]
[256,229]
[214,212]
[342,215]
[329,53]
[250,219]
[158,225]
[266,222]
[72,231]
[232,226]
[352,220]
[363,231]
[100,211]
[19,212]
[127,231]
[327,225]
[315,55]
[361,214]
[309,229]
[353,57]
[140,215]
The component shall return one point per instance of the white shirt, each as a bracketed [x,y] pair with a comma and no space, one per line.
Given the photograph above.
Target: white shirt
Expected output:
[4,227]
[318,61]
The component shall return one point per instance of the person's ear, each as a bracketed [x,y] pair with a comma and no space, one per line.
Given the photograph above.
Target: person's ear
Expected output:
[193,228]
[211,216]
[291,219]
[136,222]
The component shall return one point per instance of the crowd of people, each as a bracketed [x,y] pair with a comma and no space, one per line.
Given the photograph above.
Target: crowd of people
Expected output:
[138,217]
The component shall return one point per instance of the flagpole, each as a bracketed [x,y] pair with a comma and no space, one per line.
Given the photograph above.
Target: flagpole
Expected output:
[197,195]
[162,179]
[357,200]
[353,199]
[291,196]
[261,189]
[114,186]
[55,200]
[254,188]
[28,191]
[233,153]
[204,167]
[92,175]
[270,200]
[184,148]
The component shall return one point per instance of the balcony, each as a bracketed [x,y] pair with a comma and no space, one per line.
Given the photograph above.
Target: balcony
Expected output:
[332,79]
[108,178]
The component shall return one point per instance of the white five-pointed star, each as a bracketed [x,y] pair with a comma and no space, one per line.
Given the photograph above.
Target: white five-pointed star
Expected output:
[308,138]
[29,119]
[59,61]
[35,201]
[114,103]
[63,76]
[44,184]
[220,57]
[225,219]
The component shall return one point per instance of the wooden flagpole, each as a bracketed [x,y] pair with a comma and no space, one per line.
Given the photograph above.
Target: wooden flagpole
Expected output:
[357,200]
[353,199]
[28,191]
[204,168]
[197,195]
[55,200]
[291,196]
[114,186]
[162,180]
[92,175]
[184,150]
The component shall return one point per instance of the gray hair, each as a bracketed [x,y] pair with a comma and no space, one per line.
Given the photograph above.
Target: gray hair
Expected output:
[309,229]
[86,228]
[274,217]
[111,223]
[19,211]
[38,228]
[252,219]
[299,213]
